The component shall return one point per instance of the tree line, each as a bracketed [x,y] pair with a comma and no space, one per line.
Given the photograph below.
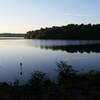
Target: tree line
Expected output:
[12,35]
[70,31]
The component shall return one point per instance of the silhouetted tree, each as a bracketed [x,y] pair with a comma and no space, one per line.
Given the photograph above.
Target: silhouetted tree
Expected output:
[71,31]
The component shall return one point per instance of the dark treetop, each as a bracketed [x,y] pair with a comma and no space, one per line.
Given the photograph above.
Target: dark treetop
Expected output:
[71,31]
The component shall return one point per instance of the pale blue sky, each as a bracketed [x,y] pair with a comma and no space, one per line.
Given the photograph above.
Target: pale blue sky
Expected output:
[24,15]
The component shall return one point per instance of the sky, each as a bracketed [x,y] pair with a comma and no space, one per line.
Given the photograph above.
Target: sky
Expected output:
[20,16]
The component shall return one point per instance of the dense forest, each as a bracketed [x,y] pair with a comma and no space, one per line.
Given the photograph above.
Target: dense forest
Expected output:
[71,31]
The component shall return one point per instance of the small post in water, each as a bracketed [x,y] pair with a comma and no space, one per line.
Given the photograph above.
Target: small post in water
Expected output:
[21,68]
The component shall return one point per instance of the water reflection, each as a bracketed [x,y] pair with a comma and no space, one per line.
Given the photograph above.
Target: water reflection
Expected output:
[60,42]
[70,46]
[19,58]
[75,48]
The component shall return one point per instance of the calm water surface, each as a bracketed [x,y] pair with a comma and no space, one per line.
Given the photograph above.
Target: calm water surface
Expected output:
[42,55]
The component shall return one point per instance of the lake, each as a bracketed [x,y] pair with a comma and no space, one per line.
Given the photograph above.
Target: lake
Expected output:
[42,55]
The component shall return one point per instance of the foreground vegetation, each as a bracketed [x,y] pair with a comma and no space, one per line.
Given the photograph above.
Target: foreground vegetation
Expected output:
[71,31]
[70,85]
